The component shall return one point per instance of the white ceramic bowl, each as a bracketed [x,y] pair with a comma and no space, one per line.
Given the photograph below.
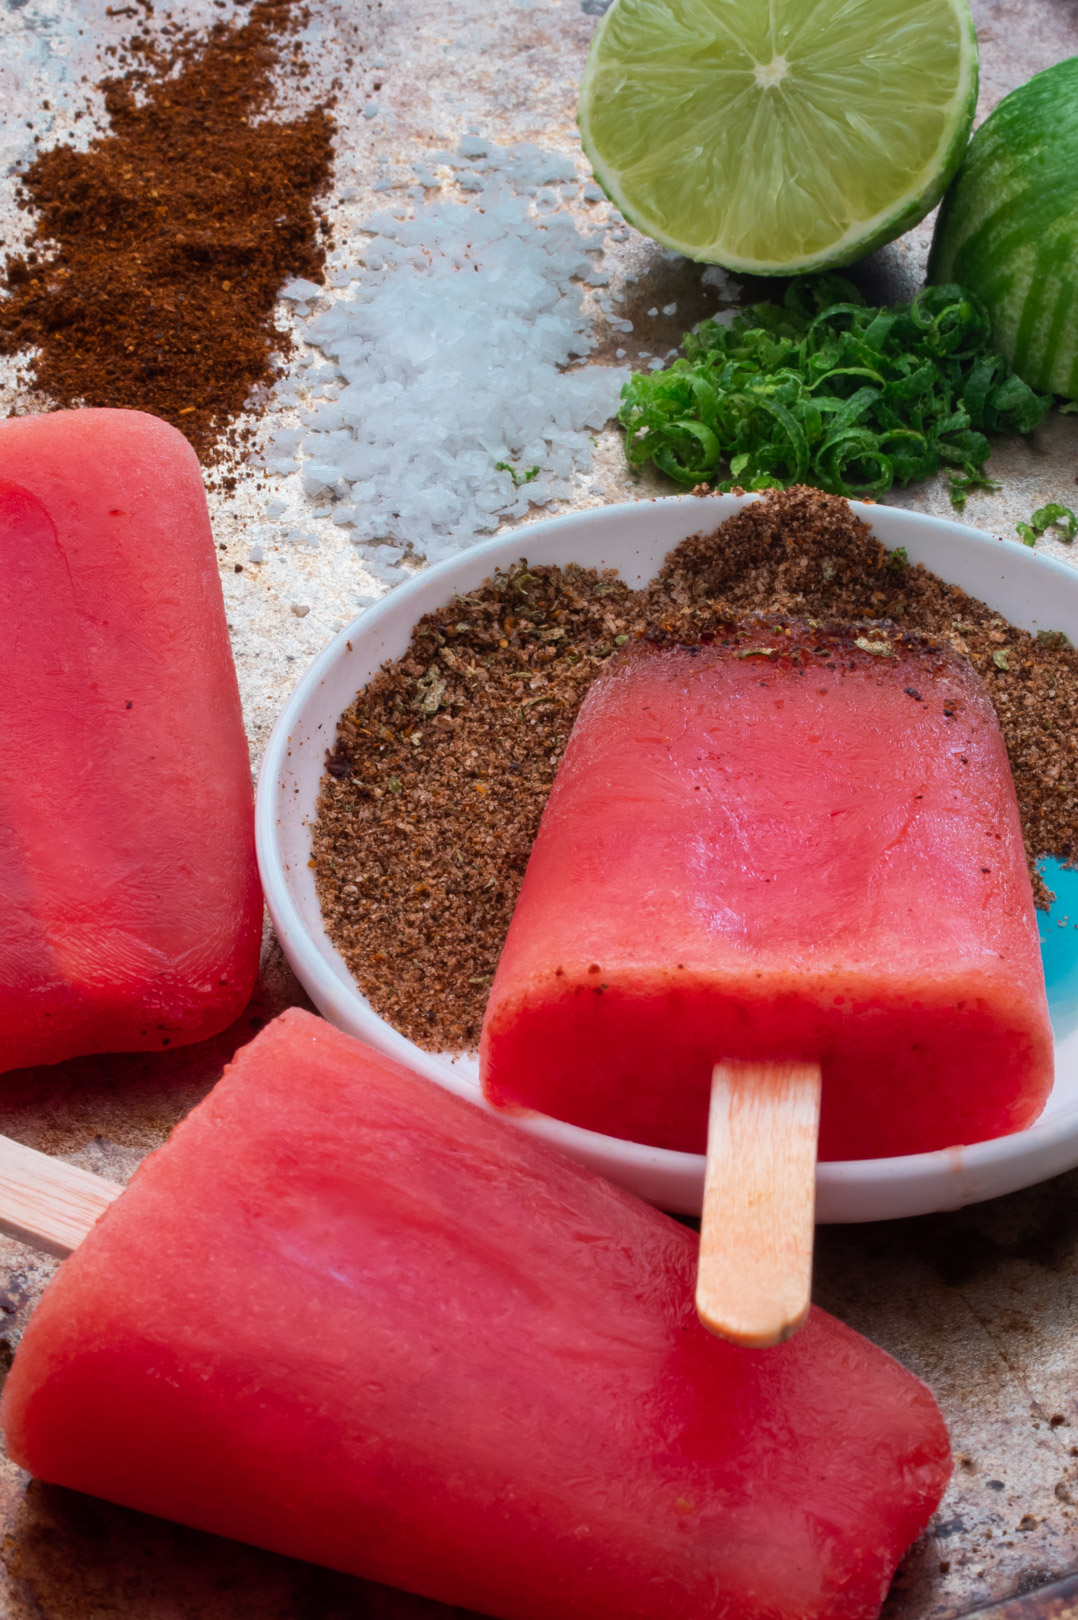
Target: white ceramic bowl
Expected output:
[1031,590]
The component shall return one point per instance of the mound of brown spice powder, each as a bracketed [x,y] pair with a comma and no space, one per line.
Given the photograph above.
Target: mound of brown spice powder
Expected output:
[161,250]
[442,766]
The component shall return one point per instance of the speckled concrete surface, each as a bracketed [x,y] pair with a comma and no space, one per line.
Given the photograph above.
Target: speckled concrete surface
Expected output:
[983,1303]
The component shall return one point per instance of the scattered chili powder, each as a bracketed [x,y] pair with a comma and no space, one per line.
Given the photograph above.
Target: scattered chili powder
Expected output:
[442,765]
[160,252]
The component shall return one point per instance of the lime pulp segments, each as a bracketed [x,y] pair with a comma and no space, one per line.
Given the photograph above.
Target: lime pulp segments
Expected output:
[1009,228]
[777,136]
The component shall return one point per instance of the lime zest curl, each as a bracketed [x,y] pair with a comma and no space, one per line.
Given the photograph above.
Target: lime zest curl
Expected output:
[826,390]
[1046,517]
[516,473]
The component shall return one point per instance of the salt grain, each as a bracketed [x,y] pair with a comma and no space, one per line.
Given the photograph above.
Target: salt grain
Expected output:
[721,280]
[301,291]
[317,478]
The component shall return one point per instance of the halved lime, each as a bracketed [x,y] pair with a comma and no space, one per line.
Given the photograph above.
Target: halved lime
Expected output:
[777,136]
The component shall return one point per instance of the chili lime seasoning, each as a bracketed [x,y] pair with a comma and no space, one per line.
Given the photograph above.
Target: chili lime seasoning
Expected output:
[160,251]
[442,765]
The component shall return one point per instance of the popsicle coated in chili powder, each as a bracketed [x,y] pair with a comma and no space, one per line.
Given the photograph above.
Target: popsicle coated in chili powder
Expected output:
[130,908]
[161,250]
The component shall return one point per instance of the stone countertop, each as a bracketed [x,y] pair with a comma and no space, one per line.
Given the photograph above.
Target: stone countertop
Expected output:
[981,1303]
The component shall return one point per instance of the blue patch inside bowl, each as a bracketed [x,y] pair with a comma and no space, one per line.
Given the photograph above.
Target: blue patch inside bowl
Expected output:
[1058,930]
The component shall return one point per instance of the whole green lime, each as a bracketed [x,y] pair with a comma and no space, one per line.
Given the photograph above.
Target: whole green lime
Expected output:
[778,136]
[1008,228]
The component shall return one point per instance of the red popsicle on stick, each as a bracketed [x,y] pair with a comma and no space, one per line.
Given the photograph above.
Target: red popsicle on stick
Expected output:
[788,854]
[344,1315]
[130,908]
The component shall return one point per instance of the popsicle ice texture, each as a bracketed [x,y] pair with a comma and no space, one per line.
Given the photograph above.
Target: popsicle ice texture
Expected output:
[346,1315]
[130,908]
[795,844]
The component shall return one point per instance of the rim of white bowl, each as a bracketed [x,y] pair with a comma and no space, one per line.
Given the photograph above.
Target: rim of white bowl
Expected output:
[910,1184]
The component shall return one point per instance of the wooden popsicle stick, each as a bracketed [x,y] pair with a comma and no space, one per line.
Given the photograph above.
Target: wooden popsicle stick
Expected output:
[754,1277]
[46,1203]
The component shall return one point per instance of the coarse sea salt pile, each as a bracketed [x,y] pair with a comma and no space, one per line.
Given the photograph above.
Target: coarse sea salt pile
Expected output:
[444,344]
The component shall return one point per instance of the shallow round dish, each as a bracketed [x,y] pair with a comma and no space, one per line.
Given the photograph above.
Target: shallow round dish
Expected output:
[1032,591]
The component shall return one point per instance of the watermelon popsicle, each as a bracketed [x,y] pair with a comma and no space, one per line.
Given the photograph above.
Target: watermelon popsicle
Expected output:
[130,907]
[796,845]
[347,1316]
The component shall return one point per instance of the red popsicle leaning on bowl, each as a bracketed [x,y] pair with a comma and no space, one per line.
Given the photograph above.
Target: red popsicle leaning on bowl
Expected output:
[793,845]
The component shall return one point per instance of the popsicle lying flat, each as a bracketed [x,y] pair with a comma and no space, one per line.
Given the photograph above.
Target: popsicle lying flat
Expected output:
[791,845]
[345,1315]
[130,908]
